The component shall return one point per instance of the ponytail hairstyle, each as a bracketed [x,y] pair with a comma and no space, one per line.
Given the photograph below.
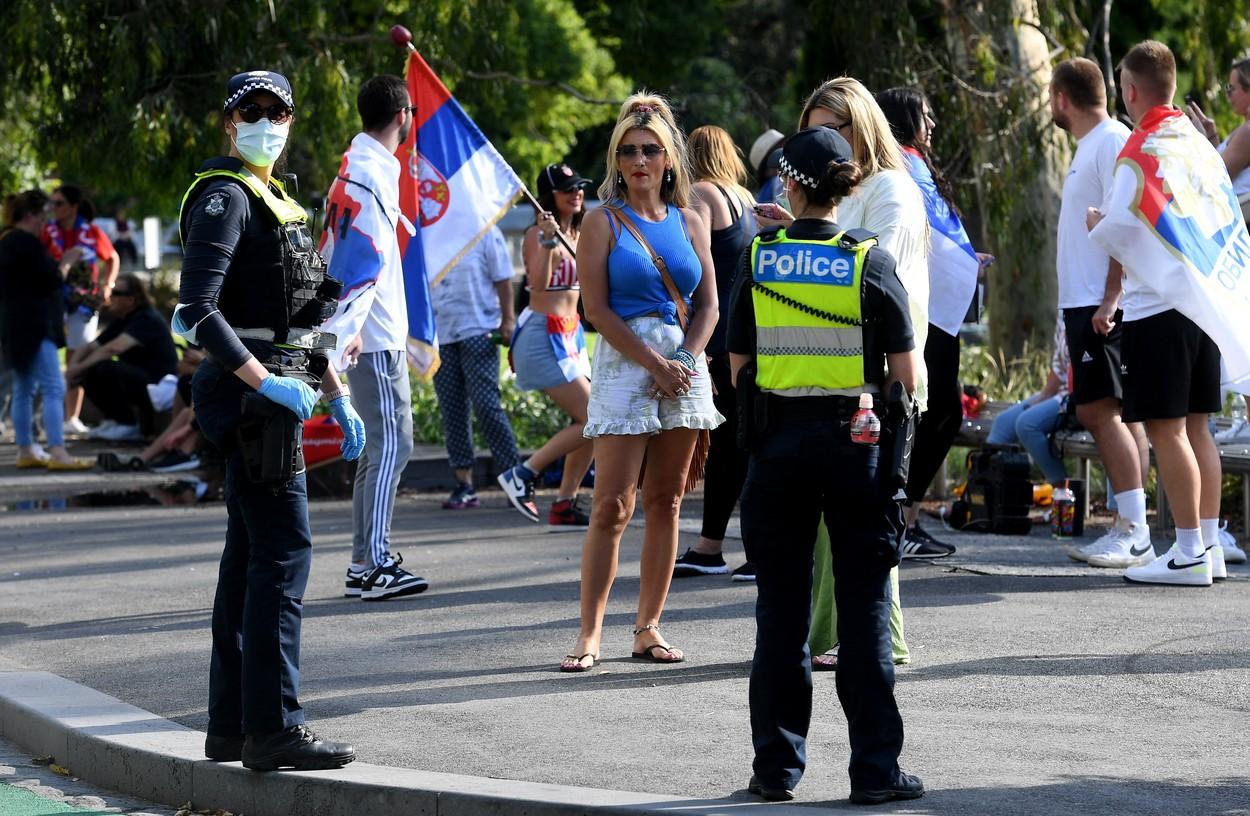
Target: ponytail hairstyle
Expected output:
[75,196]
[650,112]
[904,110]
[836,183]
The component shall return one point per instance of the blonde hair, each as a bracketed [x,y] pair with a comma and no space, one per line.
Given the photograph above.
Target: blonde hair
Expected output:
[872,141]
[714,157]
[649,112]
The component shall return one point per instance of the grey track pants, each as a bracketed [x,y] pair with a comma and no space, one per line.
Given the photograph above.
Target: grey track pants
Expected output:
[382,396]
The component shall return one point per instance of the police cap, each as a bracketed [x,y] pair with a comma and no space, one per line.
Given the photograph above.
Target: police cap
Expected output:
[240,85]
[807,154]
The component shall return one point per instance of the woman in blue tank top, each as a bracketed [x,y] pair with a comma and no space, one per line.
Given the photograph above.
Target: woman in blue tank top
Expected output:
[650,392]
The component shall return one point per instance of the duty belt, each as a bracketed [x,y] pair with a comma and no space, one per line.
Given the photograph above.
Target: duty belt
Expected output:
[310,339]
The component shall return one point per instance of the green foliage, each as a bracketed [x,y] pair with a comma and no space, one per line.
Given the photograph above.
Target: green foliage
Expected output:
[124,95]
[1005,379]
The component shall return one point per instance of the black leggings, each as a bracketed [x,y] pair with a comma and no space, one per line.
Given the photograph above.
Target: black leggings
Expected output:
[726,462]
[120,391]
[938,425]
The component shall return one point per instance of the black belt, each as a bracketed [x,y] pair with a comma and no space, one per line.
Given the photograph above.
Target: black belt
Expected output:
[816,407]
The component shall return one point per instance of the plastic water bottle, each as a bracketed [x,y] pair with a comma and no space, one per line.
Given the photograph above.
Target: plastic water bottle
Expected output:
[865,425]
[1063,512]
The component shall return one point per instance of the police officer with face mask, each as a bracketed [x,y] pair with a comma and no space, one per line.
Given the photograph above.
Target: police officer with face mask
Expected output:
[819,326]
[252,294]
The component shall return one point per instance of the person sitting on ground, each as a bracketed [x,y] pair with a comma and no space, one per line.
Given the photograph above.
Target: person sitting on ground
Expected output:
[139,338]
[175,450]
[1031,421]
[32,329]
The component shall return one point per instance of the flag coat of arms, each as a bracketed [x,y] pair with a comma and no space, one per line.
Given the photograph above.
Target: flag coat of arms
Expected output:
[953,264]
[1173,221]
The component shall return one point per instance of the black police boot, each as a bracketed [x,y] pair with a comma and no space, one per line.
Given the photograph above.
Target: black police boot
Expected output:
[223,749]
[905,786]
[297,747]
[771,794]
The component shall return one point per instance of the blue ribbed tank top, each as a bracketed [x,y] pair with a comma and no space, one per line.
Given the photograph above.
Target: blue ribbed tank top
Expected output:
[634,284]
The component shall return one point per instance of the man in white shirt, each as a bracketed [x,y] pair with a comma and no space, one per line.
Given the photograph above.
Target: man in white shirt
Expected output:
[371,322]
[1090,285]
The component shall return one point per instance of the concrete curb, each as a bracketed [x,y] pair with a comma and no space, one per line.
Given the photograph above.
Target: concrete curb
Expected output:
[118,746]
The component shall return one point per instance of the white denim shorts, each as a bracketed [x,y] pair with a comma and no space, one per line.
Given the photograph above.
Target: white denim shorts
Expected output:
[620,399]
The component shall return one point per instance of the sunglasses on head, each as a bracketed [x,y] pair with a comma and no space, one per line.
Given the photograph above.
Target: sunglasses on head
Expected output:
[649,151]
[278,113]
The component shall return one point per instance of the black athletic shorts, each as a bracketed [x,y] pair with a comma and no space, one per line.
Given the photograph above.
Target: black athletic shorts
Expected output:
[1171,369]
[1095,358]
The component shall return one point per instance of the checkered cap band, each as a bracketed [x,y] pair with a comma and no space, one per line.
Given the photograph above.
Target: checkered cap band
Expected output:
[259,83]
[788,171]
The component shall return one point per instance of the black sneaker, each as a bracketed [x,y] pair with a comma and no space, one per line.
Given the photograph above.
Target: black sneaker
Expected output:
[296,747]
[355,581]
[696,563]
[389,581]
[568,515]
[919,544]
[744,574]
[464,497]
[173,462]
[905,786]
[770,794]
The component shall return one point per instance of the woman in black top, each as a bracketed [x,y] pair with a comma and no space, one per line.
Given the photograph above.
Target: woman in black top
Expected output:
[725,203]
[32,329]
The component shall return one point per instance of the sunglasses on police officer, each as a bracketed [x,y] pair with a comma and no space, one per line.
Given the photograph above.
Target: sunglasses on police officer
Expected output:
[277,113]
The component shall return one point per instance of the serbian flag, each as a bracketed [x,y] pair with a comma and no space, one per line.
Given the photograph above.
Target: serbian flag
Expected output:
[1173,221]
[953,264]
[456,185]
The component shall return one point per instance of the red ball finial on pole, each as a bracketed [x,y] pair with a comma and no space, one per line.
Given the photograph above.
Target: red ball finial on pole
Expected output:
[402,37]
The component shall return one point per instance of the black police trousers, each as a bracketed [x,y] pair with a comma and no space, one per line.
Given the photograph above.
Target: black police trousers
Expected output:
[806,468]
[253,683]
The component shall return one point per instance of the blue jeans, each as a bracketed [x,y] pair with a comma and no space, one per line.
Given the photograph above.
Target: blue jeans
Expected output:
[1031,426]
[253,683]
[44,374]
[805,470]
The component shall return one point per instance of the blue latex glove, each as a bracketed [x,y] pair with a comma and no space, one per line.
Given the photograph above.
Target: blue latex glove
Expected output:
[290,393]
[353,427]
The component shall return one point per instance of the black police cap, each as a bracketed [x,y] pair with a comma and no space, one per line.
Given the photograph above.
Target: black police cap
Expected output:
[240,85]
[806,154]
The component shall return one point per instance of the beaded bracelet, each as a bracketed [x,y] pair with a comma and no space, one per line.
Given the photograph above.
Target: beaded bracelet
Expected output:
[684,357]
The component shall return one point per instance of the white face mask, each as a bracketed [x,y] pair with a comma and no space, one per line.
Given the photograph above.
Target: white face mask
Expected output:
[260,143]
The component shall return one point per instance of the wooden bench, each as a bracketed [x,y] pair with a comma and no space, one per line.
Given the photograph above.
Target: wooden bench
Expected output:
[1234,459]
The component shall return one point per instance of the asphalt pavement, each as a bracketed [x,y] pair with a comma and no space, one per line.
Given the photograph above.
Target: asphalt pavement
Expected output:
[1038,685]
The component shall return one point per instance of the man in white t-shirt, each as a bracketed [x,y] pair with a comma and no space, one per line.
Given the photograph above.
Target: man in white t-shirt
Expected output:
[471,303]
[1090,284]
[362,217]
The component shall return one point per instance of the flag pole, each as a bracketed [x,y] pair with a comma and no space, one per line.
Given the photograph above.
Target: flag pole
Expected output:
[402,38]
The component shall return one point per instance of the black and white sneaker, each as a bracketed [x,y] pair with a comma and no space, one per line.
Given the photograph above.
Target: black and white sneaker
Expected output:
[744,574]
[696,563]
[919,544]
[175,461]
[520,491]
[355,580]
[389,581]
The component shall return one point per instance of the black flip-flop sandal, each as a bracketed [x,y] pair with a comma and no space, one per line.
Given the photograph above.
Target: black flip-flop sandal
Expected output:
[580,667]
[648,654]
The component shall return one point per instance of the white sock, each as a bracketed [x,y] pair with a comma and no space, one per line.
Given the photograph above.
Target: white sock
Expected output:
[1131,505]
[1189,542]
[1210,532]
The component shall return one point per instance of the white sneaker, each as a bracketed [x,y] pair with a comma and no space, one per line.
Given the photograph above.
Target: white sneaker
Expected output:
[1236,434]
[1127,545]
[1218,571]
[99,431]
[1083,552]
[1173,568]
[118,433]
[75,426]
[1232,553]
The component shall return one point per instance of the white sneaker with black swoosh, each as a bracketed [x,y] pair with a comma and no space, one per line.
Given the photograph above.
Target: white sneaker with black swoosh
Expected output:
[1173,568]
[1127,545]
[389,580]
[1232,553]
[1219,572]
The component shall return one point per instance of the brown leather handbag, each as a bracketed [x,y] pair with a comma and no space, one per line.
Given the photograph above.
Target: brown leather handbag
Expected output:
[698,460]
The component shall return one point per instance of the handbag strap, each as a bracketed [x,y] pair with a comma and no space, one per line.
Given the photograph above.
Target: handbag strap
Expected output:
[683,310]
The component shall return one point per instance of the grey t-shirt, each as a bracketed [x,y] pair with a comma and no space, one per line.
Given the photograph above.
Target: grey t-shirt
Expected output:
[465,301]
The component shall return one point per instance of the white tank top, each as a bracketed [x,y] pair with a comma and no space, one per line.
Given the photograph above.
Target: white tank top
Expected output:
[1241,184]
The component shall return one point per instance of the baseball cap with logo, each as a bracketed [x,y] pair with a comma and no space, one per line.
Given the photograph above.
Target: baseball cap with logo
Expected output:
[560,177]
[240,85]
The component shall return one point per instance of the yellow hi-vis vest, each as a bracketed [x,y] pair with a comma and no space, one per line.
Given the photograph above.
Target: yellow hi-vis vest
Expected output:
[799,351]
[280,204]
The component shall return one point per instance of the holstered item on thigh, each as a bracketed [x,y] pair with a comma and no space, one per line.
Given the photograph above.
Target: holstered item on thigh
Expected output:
[270,438]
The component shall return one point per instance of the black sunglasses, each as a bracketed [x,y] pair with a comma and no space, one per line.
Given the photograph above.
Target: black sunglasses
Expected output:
[122,293]
[410,108]
[649,151]
[277,113]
